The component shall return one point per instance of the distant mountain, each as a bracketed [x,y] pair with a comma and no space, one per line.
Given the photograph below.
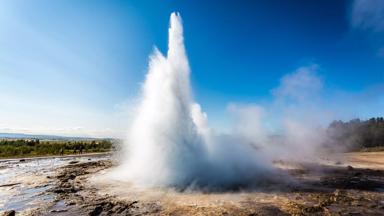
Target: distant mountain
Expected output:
[41,137]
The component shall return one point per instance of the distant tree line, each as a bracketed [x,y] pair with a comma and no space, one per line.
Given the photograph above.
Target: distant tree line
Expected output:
[357,134]
[36,147]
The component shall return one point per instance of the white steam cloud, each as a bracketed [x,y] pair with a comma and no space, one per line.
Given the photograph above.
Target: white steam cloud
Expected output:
[170,143]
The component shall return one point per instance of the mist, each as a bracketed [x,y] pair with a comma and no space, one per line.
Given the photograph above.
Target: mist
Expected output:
[169,142]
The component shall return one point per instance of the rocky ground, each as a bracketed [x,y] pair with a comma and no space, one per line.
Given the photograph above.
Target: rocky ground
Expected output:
[312,189]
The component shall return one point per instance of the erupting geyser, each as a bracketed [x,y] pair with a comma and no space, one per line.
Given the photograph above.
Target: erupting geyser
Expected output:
[169,143]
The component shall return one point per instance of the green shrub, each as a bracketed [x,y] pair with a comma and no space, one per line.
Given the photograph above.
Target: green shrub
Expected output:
[23,148]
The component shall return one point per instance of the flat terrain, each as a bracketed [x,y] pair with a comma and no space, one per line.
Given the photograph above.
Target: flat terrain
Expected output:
[373,160]
[347,184]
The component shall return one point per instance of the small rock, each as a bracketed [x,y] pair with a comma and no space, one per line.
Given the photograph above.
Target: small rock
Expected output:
[71,176]
[97,211]
[9,213]
[350,168]
[22,160]
[58,191]
[73,162]
[70,203]
[59,210]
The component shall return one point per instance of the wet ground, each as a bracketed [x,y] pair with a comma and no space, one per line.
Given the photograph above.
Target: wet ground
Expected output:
[25,183]
[353,185]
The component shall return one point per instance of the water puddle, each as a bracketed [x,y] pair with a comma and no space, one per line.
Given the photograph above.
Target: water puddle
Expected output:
[24,183]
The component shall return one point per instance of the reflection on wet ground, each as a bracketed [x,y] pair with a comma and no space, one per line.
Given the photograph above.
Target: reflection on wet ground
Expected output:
[80,186]
[24,182]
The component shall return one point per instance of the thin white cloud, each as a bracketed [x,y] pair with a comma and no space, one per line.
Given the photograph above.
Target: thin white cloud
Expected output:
[368,15]
[299,85]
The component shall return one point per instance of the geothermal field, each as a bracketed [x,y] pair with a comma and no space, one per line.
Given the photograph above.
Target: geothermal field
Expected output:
[352,184]
[173,163]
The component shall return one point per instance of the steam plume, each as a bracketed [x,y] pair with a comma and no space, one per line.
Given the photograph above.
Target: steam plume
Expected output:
[169,142]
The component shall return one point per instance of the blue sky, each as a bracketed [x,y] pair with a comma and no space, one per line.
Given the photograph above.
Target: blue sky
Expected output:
[73,67]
